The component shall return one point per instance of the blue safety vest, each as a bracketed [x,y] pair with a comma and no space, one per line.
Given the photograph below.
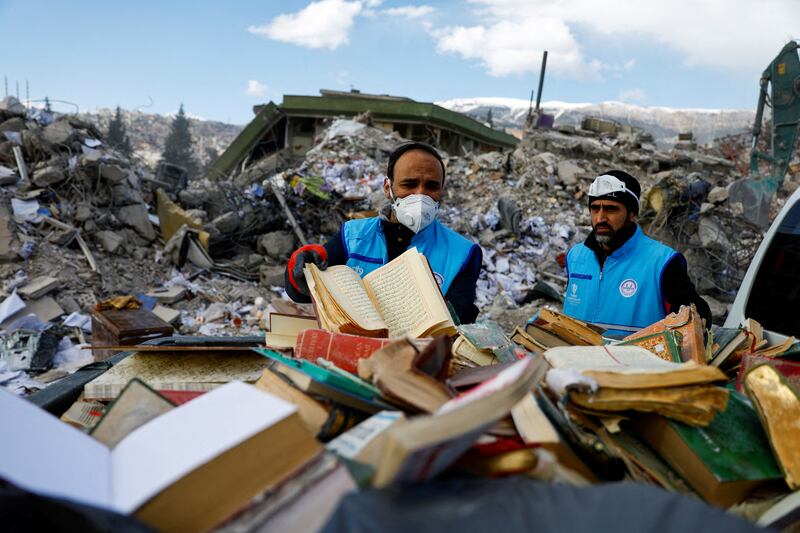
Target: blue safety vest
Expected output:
[446,250]
[626,292]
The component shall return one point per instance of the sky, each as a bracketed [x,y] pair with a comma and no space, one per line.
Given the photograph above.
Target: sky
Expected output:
[220,58]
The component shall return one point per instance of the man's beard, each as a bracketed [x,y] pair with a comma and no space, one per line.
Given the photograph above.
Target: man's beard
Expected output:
[603,239]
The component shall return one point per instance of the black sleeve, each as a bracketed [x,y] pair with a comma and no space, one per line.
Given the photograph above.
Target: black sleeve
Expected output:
[461,293]
[678,289]
[337,255]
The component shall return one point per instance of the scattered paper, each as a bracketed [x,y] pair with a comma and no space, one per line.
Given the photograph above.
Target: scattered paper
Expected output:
[11,306]
[79,320]
[25,211]
[92,143]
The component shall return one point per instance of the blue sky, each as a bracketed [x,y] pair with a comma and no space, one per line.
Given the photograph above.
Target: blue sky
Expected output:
[220,58]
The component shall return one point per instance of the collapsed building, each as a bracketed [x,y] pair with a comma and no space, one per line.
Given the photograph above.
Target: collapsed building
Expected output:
[289,130]
[77,211]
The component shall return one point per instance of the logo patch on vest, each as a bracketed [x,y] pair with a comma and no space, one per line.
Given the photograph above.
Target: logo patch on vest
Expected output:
[439,279]
[574,290]
[359,270]
[628,288]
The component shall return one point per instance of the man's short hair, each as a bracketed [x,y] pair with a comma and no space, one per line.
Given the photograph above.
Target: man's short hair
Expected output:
[407,147]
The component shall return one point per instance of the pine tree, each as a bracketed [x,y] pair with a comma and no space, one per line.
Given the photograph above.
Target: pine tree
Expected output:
[47,106]
[178,147]
[489,118]
[117,136]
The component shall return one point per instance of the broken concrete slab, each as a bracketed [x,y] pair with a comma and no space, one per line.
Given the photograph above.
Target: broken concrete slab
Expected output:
[717,195]
[227,223]
[136,217]
[83,213]
[8,176]
[38,287]
[58,132]
[46,309]
[168,295]
[125,195]
[109,240]
[568,172]
[167,314]
[48,176]
[12,124]
[113,173]
[276,244]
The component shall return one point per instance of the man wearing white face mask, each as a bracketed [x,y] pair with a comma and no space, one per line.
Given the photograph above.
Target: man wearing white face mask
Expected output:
[618,277]
[416,178]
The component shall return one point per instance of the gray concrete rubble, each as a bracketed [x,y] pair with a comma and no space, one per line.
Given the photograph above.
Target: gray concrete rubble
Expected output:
[77,211]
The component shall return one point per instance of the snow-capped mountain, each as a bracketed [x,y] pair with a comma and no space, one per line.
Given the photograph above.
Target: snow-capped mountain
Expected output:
[663,123]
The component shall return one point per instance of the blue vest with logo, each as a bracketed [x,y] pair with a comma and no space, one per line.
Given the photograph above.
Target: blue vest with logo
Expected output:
[446,250]
[626,292]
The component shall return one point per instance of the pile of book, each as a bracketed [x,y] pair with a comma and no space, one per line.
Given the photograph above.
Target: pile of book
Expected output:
[376,392]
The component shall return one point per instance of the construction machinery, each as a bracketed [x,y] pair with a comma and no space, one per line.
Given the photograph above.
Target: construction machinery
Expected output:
[780,90]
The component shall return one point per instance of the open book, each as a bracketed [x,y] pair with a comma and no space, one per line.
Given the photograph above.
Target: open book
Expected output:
[399,299]
[186,470]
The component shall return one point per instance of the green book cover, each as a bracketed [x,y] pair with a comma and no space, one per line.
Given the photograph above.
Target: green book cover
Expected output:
[488,335]
[665,344]
[352,384]
[723,336]
[734,446]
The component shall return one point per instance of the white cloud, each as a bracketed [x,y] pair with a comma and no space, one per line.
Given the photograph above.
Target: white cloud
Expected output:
[632,96]
[321,24]
[256,88]
[515,45]
[410,12]
[732,34]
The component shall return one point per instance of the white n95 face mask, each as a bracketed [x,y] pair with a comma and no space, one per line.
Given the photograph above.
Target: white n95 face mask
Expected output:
[415,211]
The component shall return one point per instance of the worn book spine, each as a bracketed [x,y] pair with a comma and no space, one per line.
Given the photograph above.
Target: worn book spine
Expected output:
[341,349]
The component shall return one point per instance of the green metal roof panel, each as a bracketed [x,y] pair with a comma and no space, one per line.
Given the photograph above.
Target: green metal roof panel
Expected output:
[265,120]
[400,111]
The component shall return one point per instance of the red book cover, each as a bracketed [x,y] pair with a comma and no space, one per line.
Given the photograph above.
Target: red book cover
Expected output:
[789,369]
[341,349]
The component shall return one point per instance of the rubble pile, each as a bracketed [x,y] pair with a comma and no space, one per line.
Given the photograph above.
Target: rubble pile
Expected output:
[76,210]
[543,211]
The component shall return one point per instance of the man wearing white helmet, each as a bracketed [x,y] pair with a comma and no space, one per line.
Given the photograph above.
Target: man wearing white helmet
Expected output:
[618,277]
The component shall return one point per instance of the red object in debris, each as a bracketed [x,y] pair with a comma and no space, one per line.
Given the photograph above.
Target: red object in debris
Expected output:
[561,259]
[179,397]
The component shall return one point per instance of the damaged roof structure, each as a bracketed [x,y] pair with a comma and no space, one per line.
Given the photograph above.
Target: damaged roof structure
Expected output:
[291,128]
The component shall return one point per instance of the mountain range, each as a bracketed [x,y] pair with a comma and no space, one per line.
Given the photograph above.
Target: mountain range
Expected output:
[663,123]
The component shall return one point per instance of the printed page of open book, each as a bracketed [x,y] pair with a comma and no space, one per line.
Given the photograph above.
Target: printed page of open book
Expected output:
[406,293]
[345,286]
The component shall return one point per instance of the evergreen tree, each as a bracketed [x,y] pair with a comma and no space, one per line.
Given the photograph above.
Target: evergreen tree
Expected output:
[47,106]
[178,148]
[489,120]
[117,136]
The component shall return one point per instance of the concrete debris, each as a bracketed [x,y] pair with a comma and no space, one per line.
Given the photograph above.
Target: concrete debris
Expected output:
[277,244]
[224,243]
[38,287]
[136,217]
[109,240]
